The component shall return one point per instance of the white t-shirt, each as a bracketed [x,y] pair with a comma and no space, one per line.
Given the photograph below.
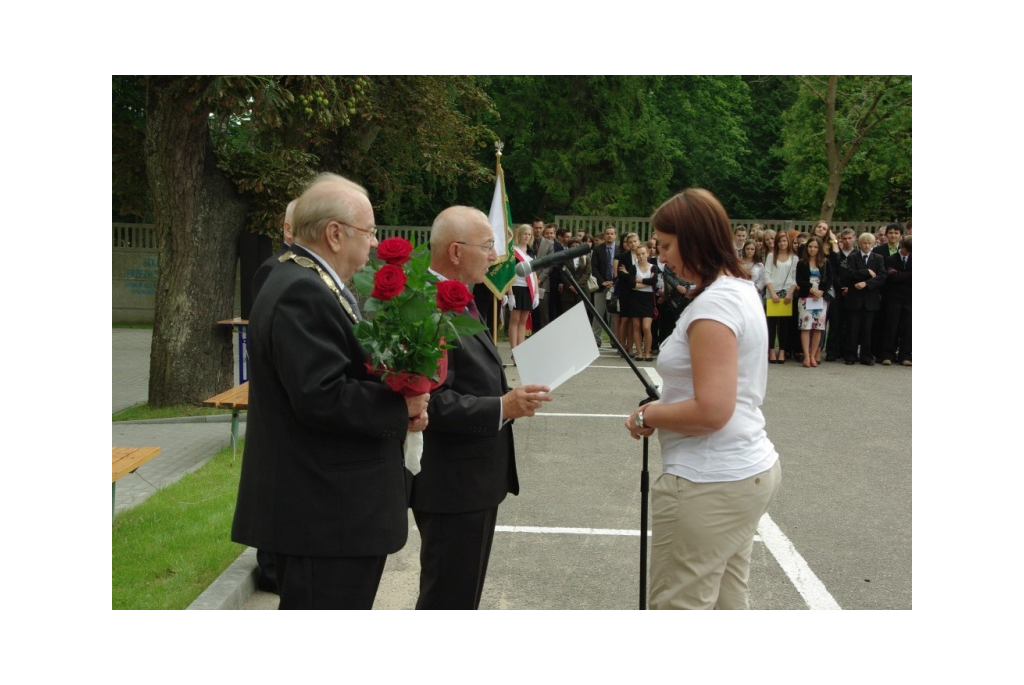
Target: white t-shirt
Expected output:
[741,448]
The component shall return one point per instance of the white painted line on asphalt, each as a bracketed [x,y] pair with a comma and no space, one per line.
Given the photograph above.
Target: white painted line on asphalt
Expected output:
[800,574]
[654,376]
[567,531]
[576,531]
[585,416]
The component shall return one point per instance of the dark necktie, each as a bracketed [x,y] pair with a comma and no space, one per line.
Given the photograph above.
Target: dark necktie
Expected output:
[347,294]
[472,309]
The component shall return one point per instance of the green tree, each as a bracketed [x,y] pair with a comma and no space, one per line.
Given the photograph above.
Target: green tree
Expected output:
[226,153]
[705,116]
[582,144]
[849,133]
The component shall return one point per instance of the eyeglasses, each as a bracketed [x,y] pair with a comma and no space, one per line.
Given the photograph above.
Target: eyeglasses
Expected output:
[372,231]
[489,245]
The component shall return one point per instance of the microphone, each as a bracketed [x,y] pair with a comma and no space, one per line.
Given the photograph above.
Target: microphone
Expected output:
[524,269]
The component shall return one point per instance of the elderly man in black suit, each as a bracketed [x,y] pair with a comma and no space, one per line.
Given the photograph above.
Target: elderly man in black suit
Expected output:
[862,281]
[323,481]
[260,277]
[468,464]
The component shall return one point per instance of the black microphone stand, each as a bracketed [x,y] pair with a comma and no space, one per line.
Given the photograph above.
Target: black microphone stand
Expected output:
[652,394]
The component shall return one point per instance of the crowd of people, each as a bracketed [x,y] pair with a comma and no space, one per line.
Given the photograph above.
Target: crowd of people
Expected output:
[833,296]
[637,296]
[825,296]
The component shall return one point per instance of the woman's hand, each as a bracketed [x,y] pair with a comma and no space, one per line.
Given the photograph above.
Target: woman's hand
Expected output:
[635,431]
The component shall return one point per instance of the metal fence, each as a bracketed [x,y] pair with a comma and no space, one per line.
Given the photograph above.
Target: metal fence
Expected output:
[137,236]
[143,236]
[595,225]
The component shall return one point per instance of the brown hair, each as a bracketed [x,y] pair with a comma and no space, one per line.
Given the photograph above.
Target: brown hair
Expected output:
[819,259]
[701,227]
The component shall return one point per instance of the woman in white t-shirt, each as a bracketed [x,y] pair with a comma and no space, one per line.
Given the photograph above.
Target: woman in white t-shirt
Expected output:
[720,469]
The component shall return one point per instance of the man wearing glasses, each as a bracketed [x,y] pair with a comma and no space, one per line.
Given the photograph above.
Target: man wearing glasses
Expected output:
[468,464]
[322,484]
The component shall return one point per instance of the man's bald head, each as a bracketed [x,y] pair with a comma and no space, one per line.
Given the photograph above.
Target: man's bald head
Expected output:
[462,244]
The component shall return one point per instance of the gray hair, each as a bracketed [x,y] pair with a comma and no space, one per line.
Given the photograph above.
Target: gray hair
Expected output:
[329,197]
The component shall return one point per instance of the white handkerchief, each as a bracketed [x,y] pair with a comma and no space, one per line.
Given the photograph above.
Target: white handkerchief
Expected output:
[413,451]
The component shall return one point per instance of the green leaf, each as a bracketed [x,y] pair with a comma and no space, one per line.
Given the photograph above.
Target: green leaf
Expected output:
[363,281]
[466,325]
[415,310]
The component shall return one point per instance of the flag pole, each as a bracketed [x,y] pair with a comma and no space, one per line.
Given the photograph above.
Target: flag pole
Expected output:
[501,273]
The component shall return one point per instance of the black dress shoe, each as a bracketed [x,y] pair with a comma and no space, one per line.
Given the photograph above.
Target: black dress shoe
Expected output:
[829,358]
[867,362]
[850,363]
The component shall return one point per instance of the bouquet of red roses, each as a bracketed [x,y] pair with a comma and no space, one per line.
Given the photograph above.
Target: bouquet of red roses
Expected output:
[411,318]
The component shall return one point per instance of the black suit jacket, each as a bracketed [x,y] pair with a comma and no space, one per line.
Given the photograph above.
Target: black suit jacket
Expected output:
[546,248]
[856,271]
[897,284]
[601,268]
[468,461]
[803,279]
[260,277]
[323,471]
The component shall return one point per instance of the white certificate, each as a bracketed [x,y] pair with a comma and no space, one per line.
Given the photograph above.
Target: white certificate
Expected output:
[558,351]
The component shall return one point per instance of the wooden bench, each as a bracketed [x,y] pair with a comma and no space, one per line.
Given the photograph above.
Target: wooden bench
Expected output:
[235,399]
[125,461]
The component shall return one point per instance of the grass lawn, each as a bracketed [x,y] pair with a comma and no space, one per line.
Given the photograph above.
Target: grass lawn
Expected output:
[170,548]
[141,412]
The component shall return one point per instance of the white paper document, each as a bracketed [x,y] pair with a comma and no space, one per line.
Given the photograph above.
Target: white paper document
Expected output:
[558,352]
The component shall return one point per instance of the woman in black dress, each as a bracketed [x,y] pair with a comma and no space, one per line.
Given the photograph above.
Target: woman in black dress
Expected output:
[641,302]
[621,266]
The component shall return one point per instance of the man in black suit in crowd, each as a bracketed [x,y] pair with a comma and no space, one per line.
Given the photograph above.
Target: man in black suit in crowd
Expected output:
[541,247]
[561,242]
[896,332]
[835,345]
[601,259]
[468,464]
[323,480]
[862,281]
[893,235]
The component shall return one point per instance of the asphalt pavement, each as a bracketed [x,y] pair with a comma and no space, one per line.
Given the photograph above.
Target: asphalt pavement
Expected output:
[838,536]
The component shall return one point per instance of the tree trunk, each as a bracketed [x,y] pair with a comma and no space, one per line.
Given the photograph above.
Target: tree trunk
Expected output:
[835,165]
[198,218]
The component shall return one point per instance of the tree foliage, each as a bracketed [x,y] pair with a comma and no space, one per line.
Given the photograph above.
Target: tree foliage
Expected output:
[582,144]
[226,153]
[851,133]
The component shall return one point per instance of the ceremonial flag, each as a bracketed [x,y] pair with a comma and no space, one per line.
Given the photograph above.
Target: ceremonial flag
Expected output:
[503,271]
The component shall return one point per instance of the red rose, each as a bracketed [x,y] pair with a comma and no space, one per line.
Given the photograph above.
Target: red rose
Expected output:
[388,282]
[452,296]
[394,251]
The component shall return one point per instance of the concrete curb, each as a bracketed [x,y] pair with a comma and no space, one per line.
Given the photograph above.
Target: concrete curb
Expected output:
[213,418]
[233,587]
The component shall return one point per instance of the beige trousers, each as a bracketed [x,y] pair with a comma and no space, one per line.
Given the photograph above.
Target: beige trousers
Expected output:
[702,536]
